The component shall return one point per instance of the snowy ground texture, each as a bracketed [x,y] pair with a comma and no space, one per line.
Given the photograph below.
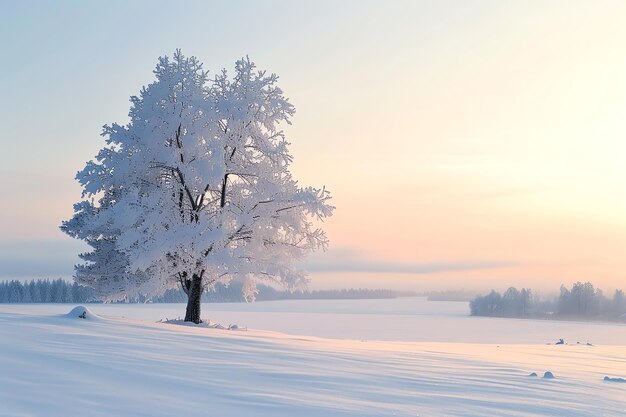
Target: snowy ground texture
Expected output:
[61,365]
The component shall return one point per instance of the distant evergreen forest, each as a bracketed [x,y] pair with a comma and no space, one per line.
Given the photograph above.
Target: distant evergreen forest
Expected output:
[582,300]
[62,291]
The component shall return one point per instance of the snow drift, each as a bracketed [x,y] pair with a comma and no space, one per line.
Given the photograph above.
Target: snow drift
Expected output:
[81,312]
[53,366]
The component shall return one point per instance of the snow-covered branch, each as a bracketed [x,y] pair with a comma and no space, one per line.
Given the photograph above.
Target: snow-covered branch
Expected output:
[197,187]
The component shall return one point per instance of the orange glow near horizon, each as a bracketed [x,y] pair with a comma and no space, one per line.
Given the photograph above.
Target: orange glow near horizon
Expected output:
[447,132]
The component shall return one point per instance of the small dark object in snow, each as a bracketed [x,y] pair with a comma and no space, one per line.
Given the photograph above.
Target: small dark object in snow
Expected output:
[560,342]
[533,374]
[609,379]
[548,375]
[589,344]
[81,312]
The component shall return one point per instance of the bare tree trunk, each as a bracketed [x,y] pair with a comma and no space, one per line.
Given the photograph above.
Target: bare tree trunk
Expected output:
[194,295]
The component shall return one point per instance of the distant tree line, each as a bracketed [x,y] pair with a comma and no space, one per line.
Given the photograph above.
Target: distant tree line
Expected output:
[44,291]
[233,293]
[583,300]
[62,291]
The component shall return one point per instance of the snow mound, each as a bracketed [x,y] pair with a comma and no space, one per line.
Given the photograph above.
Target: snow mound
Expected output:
[548,375]
[81,312]
[609,379]
[206,324]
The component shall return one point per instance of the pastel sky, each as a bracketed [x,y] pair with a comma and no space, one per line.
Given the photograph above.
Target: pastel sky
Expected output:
[471,144]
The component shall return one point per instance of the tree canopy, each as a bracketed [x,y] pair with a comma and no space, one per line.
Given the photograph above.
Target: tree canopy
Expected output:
[196,188]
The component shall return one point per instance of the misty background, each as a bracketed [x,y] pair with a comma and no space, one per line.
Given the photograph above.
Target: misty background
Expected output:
[467,145]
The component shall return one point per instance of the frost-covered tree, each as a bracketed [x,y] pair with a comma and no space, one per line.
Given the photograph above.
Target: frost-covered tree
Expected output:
[196,189]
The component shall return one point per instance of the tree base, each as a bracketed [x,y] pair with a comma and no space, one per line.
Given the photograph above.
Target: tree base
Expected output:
[194,295]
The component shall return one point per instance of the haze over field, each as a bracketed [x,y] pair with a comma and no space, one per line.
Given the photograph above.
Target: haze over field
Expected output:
[472,144]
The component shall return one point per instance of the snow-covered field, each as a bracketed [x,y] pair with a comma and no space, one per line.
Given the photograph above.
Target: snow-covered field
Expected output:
[404,357]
